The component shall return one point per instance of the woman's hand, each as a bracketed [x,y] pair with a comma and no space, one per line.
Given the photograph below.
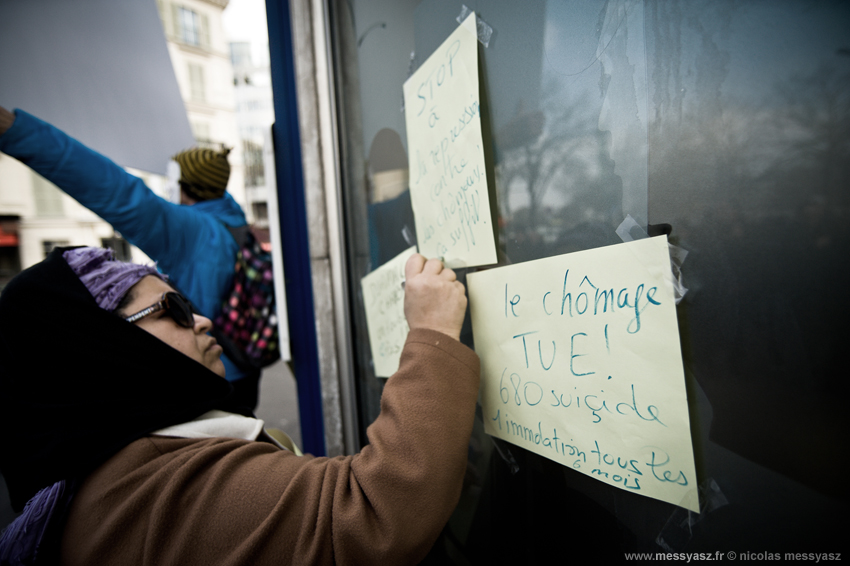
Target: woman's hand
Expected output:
[433,297]
[6,120]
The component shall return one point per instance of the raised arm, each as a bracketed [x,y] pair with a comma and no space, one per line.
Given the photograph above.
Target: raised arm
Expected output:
[433,297]
[146,220]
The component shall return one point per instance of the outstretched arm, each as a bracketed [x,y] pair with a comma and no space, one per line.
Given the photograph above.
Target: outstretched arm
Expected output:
[153,224]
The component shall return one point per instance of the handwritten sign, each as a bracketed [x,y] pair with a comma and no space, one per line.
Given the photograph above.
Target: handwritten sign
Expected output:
[448,184]
[384,299]
[581,363]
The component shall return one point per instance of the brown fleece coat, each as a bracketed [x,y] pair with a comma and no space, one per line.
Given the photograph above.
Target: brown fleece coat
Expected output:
[168,501]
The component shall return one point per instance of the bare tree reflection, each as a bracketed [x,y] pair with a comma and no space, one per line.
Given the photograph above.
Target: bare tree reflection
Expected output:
[555,162]
[812,129]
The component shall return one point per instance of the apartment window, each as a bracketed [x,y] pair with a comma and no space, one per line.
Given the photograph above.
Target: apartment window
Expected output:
[48,245]
[10,259]
[120,246]
[10,264]
[197,86]
[189,26]
[252,157]
[192,27]
[261,210]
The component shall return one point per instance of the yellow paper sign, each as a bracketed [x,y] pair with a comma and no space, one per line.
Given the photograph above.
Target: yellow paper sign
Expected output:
[581,363]
[383,296]
[448,183]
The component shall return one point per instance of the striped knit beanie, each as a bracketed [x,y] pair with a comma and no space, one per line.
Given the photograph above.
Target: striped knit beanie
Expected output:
[203,172]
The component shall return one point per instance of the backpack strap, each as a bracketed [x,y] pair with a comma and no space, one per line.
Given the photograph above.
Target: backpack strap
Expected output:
[239,233]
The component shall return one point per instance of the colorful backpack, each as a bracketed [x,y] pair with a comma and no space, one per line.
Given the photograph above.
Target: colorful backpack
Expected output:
[247,325]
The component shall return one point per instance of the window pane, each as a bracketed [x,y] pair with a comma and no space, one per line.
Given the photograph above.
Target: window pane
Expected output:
[190,27]
[722,123]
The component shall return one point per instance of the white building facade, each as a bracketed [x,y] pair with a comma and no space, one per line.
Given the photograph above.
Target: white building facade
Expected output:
[254,117]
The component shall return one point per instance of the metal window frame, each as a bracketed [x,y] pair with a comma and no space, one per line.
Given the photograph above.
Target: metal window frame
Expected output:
[295,249]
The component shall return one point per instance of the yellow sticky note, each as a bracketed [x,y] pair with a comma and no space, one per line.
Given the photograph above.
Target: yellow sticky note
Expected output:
[581,363]
[383,296]
[448,182]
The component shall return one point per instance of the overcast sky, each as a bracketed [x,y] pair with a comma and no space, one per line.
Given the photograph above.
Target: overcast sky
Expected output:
[245,20]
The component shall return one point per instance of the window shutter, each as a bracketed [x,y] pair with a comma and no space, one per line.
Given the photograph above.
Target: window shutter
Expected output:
[196,82]
[205,32]
[176,24]
[48,198]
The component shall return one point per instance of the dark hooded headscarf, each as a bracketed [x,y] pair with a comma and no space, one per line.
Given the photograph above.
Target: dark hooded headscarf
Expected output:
[78,383]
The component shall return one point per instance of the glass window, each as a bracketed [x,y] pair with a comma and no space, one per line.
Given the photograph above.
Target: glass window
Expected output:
[190,26]
[48,246]
[261,211]
[120,246]
[722,124]
[252,155]
[10,259]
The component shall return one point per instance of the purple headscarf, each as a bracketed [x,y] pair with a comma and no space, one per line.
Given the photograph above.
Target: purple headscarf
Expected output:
[20,542]
[106,278]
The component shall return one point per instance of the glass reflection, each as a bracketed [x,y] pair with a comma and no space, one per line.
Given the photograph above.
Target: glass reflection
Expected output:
[729,122]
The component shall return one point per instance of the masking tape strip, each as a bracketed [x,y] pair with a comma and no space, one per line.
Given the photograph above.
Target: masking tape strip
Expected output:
[504,451]
[485,32]
[679,527]
[408,236]
[629,230]
[411,66]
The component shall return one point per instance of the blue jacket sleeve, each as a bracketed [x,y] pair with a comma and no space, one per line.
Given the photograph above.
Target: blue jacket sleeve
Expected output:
[159,228]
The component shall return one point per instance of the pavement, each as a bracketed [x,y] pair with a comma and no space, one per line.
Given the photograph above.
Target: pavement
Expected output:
[278,405]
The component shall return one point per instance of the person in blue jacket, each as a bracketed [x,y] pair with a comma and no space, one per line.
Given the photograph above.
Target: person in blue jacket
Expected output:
[189,241]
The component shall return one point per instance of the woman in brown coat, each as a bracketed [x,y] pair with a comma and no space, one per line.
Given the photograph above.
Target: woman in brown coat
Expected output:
[117,431]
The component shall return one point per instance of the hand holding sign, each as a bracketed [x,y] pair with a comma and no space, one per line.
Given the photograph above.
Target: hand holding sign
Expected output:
[433,297]
[409,291]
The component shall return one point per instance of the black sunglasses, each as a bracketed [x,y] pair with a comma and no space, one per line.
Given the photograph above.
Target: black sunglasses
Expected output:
[175,305]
